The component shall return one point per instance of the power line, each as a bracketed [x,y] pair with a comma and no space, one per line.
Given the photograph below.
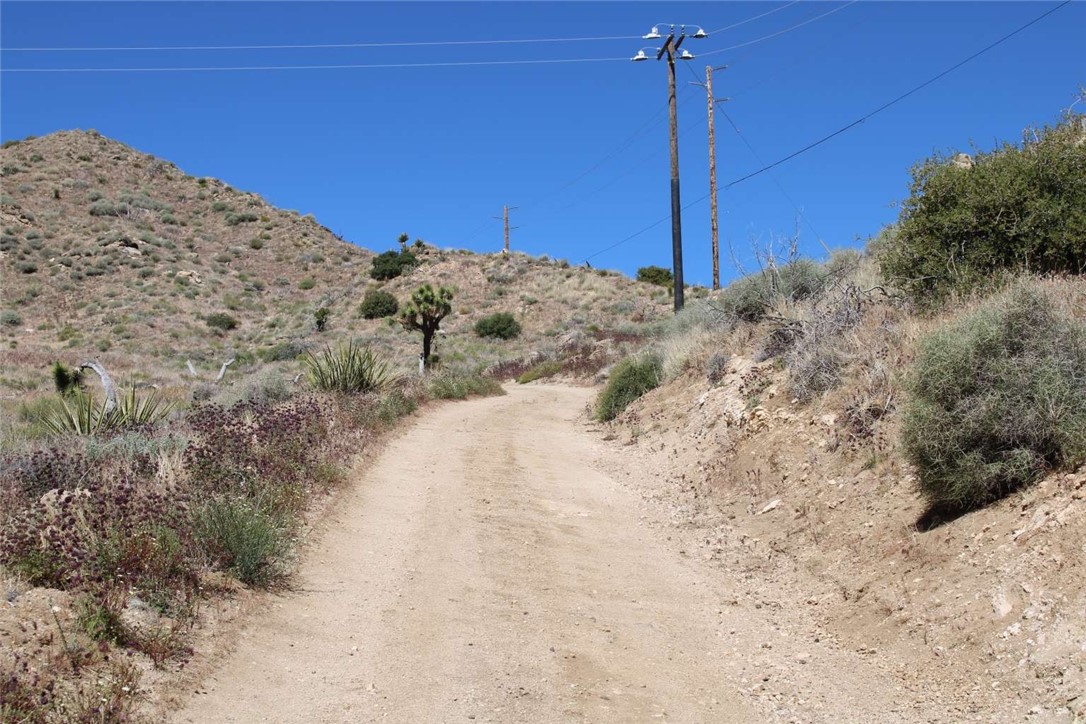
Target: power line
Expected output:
[329,46]
[776,182]
[901,97]
[756,17]
[808,21]
[843,129]
[446,64]
[412,44]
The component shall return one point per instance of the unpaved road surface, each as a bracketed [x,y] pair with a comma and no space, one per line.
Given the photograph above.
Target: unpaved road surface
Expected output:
[490,566]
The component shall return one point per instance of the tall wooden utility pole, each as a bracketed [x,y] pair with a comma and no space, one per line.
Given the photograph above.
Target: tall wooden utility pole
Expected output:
[713,225]
[505,222]
[670,46]
[670,49]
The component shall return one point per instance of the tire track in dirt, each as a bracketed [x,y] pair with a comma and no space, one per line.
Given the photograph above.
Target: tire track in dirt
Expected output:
[489,567]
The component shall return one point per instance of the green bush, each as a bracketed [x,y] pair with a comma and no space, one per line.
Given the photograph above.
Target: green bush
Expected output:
[542,370]
[349,369]
[392,264]
[459,385]
[500,324]
[244,539]
[221,320]
[631,378]
[967,223]
[749,298]
[240,218]
[996,398]
[105,207]
[307,283]
[657,275]
[378,303]
[10,318]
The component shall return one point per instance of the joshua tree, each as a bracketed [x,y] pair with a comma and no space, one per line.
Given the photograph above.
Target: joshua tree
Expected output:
[424,312]
[403,241]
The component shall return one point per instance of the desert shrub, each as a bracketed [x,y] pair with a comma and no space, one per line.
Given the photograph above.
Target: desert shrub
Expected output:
[307,283]
[629,380]
[717,367]
[350,369]
[657,275]
[26,267]
[967,223]
[458,385]
[221,320]
[220,206]
[256,243]
[996,398]
[749,298]
[392,264]
[241,218]
[105,207]
[541,371]
[10,318]
[244,538]
[378,303]
[283,351]
[143,201]
[500,324]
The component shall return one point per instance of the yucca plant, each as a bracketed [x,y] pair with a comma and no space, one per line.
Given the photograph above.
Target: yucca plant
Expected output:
[78,413]
[349,369]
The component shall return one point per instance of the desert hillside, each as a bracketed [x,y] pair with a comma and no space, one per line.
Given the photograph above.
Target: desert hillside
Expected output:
[112,253]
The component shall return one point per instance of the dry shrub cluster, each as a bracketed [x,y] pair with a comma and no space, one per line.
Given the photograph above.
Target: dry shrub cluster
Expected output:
[131,523]
[996,397]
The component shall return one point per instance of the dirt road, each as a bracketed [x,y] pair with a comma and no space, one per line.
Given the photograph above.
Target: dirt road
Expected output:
[491,566]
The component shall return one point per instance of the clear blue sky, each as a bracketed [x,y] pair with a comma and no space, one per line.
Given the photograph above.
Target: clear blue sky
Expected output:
[436,151]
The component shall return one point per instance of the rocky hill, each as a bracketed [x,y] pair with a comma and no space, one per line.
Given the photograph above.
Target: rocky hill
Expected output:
[110,252]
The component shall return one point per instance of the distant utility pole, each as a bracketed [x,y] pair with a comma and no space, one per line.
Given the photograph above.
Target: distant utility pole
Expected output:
[713,224]
[505,220]
[670,49]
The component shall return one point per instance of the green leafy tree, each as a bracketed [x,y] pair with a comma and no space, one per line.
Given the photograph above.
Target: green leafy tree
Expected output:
[428,306]
[378,303]
[500,324]
[657,275]
[391,264]
[968,222]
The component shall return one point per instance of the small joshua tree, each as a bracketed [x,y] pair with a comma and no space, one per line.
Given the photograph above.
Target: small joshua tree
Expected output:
[320,318]
[403,241]
[424,313]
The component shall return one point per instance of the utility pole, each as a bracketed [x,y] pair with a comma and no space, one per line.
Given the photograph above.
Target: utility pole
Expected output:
[505,221]
[676,206]
[714,226]
[670,49]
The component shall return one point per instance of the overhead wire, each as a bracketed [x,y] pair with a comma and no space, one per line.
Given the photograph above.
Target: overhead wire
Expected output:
[843,129]
[779,33]
[758,159]
[394,44]
[344,66]
[325,46]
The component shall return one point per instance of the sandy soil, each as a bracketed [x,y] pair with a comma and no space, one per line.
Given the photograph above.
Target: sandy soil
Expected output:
[491,566]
